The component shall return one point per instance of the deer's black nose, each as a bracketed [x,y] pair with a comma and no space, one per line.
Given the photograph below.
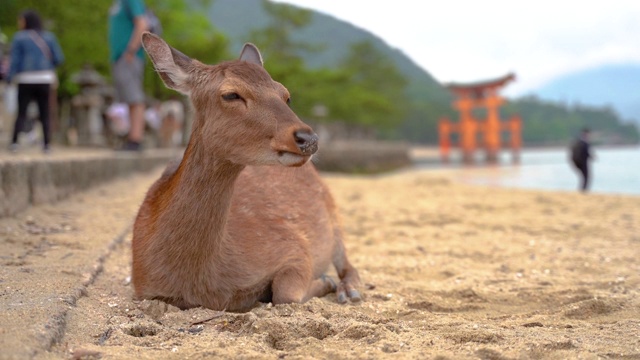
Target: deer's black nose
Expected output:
[307,141]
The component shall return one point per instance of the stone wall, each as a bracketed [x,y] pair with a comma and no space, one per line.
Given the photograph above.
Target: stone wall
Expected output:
[25,182]
[362,156]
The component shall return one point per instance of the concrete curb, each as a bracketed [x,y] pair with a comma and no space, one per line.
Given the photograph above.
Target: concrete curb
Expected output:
[26,181]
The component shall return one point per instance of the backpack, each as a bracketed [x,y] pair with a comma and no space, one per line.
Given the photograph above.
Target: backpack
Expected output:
[153,22]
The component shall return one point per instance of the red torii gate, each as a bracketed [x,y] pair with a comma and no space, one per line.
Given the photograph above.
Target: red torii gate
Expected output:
[473,96]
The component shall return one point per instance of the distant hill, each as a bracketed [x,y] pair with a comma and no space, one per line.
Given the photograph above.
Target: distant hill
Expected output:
[617,86]
[545,123]
[237,18]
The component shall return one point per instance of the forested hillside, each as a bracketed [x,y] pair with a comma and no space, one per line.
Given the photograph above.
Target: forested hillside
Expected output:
[329,40]
[330,36]
[549,123]
[327,43]
[614,85]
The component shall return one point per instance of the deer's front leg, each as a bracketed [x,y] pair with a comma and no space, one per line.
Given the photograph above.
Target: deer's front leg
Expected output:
[348,287]
[349,278]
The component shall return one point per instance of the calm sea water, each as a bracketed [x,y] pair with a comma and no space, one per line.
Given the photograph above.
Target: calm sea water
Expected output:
[615,171]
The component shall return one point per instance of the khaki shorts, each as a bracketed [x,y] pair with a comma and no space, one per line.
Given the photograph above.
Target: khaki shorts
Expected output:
[127,80]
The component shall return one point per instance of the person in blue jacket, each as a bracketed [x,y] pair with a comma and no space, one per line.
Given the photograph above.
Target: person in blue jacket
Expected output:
[35,54]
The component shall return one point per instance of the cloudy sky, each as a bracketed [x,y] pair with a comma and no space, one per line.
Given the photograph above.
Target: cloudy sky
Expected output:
[470,40]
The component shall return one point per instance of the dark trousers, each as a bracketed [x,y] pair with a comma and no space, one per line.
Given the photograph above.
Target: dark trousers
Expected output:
[40,94]
[583,168]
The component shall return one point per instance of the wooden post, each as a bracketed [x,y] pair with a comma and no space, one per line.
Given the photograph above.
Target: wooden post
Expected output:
[516,138]
[467,129]
[444,129]
[492,127]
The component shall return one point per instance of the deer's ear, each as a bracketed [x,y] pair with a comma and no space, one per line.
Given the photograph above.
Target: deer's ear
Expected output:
[172,65]
[250,53]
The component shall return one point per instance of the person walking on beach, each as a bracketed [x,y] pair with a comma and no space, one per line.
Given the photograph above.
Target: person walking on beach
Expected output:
[580,157]
[127,22]
[34,56]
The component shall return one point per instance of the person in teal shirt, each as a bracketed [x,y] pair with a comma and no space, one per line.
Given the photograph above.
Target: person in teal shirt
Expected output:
[127,22]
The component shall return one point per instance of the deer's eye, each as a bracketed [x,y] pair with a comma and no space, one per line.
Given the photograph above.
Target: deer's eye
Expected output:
[231,96]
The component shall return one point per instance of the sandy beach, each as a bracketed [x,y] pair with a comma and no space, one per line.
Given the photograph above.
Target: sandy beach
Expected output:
[451,271]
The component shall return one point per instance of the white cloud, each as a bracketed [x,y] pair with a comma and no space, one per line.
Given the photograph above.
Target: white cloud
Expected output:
[469,40]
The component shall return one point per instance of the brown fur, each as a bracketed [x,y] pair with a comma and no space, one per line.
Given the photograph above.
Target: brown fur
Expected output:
[222,230]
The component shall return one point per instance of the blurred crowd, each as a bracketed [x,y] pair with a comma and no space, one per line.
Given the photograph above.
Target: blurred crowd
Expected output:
[118,114]
[163,119]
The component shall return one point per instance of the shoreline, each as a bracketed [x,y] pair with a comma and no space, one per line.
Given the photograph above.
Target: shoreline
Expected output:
[546,170]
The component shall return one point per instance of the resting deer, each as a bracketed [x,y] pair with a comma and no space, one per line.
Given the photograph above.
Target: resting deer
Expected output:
[244,217]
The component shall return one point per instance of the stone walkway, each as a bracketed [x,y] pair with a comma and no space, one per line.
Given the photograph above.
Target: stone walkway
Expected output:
[57,247]
[50,255]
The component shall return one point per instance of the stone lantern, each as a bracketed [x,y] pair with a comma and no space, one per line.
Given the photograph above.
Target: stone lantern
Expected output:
[86,107]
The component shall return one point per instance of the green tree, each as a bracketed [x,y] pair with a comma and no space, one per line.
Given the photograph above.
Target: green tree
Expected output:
[186,27]
[366,90]
[81,28]
[277,40]
[420,123]
[376,91]
[281,53]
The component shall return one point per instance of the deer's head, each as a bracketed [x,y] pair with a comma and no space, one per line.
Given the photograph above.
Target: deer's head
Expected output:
[241,113]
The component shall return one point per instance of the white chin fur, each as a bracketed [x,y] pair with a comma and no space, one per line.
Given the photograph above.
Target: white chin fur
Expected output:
[290,159]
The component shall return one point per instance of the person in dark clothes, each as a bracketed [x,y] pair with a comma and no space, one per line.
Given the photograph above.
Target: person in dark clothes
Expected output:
[580,156]
[35,54]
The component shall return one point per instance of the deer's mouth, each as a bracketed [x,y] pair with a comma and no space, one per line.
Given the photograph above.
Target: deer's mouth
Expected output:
[287,158]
